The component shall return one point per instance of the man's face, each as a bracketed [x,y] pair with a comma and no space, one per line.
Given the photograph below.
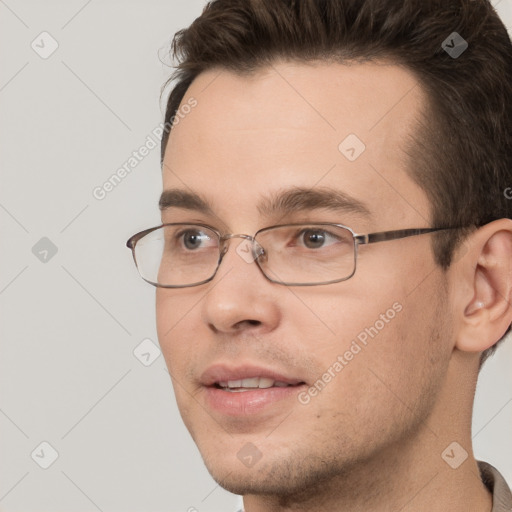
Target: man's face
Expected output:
[251,138]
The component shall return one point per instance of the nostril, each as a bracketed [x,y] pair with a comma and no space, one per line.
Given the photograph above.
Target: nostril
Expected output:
[245,323]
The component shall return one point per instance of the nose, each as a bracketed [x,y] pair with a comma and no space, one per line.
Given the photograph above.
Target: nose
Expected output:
[240,298]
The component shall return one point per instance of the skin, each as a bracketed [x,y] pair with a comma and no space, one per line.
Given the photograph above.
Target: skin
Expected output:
[372,439]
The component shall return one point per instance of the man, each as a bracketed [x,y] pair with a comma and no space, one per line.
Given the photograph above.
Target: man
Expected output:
[335,260]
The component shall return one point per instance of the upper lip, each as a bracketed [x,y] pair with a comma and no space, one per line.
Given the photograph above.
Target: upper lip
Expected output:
[223,373]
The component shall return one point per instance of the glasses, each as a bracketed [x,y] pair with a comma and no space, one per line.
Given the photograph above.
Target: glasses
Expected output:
[184,255]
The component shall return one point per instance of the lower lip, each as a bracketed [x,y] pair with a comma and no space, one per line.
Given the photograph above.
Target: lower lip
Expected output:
[245,403]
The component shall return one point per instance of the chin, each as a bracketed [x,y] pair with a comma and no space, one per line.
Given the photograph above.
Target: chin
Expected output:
[257,480]
[289,474]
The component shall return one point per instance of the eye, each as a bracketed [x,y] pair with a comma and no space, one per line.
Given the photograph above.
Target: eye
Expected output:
[193,239]
[314,238]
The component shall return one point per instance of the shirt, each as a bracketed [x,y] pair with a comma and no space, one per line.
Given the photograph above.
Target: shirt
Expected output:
[498,487]
[501,494]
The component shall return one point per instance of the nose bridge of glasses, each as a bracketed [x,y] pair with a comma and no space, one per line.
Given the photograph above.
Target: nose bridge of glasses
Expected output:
[256,248]
[240,235]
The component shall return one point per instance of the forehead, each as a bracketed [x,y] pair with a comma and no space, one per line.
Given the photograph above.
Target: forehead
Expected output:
[344,126]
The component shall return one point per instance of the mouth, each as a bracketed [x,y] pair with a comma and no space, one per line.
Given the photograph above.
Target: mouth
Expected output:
[242,385]
[248,390]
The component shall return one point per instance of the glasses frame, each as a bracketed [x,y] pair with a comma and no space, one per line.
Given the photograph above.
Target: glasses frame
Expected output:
[359,239]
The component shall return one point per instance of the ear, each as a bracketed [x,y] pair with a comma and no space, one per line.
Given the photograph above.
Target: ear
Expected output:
[484,306]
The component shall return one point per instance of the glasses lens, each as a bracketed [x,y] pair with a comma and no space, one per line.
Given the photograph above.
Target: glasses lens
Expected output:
[177,255]
[307,254]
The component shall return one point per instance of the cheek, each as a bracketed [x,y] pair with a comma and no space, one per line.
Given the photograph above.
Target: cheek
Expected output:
[387,385]
[164,318]
[174,314]
[409,357]
[393,341]
[180,347]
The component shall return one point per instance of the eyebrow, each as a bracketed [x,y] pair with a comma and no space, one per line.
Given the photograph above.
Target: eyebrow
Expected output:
[300,199]
[178,198]
[297,199]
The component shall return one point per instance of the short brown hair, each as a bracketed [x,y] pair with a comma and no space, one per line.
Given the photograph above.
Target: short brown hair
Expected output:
[462,153]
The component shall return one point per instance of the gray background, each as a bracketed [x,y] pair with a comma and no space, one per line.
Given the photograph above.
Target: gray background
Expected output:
[71,320]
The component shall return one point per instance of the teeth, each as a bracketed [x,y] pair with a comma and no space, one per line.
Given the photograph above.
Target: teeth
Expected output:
[252,383]
[265,382]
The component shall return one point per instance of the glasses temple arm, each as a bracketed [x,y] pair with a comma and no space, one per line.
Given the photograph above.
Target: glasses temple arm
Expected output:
[383,236]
